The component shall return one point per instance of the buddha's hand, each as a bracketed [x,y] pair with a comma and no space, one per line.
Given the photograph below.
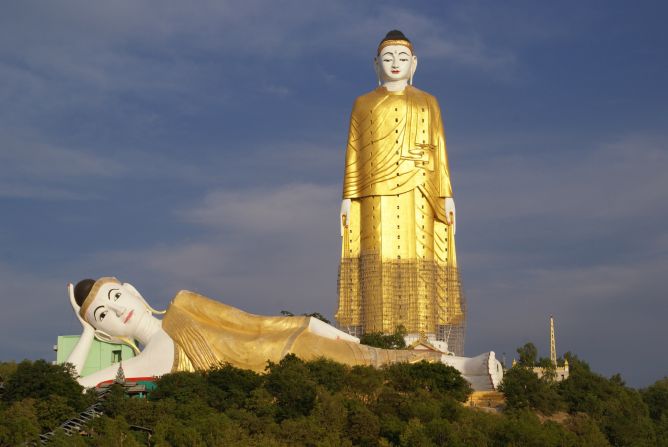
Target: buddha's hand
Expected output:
[416,154]
[87,328]
[344,215]
[451,214]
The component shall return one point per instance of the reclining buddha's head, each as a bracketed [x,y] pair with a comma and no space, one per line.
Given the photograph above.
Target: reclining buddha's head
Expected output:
[113,308]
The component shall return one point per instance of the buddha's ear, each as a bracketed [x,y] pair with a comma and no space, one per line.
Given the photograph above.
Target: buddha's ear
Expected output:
[103,336]
[413,68]
[136,293]
[376,69]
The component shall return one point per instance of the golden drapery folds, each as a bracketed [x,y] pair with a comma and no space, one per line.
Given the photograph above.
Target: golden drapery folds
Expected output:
[398,261]
[208,333]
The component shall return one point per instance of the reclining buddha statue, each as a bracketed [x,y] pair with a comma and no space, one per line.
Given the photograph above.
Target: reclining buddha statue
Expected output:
[198,333]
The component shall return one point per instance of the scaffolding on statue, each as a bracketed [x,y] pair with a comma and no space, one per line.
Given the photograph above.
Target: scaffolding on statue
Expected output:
[424,297]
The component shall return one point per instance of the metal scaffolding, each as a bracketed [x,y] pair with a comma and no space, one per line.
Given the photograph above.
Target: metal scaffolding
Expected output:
[425,297]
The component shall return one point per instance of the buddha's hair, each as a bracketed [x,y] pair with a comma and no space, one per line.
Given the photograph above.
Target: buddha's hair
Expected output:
[395,34]
[395,37]
[82,289]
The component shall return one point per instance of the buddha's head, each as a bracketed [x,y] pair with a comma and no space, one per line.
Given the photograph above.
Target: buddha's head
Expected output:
[116,310]
[395,60]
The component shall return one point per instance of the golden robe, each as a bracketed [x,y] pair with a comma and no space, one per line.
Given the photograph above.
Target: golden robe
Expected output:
[398,261]
[208,333]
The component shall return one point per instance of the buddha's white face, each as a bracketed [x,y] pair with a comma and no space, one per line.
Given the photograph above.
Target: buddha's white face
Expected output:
[395,63]
[116,310]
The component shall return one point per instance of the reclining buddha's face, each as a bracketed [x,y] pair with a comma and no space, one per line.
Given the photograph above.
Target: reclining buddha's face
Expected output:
[117,310]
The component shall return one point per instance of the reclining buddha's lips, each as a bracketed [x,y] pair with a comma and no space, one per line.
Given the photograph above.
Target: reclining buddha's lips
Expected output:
[130,314]
[395,71]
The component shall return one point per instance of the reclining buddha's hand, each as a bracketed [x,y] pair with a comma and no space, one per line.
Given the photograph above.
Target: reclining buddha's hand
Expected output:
[87,327]
[80,352]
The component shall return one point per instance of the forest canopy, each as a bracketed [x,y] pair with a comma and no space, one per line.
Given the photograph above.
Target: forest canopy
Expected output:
[324,403]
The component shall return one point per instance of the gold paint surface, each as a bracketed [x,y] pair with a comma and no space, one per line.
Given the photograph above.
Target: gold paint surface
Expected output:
[396,144]
[389,42]
[398,260]
[207,333]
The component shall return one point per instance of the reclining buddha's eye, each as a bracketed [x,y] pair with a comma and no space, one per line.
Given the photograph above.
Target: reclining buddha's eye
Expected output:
[117,295]
[102,315]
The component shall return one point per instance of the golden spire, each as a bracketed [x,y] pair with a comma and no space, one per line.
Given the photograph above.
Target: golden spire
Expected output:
[553,345]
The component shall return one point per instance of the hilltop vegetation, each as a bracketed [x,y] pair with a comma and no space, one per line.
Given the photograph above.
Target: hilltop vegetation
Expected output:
[323,403]
[605,411]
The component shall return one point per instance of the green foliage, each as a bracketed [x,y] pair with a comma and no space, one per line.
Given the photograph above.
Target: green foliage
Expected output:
[52,411]
[7,369]
[230,387]
[181,386]
[40,379]
[380,340]
[61,439]
[114,403]
[603,411]
[415,435]
[291,384]
[528,355]
[322,403]
[363,425]
[331,413]
[432,377]
[112,432]
[328,373]
[661,430]
[586,430]
[364,382]
[18,423]
[619,411]
[523,428]
[656,398]
[524,390]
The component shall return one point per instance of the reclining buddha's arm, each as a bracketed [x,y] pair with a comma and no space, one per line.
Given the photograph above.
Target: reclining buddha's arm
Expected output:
[80,352]
[156,359]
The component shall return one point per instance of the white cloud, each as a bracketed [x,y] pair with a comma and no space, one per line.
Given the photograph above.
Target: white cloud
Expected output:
[575,233]
[149,45]
[290,209]
[30,168]
[261,250]
[619,178]
[43,160]
[35,310]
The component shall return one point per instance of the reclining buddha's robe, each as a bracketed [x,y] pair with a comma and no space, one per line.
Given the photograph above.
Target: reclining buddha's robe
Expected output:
[207,333]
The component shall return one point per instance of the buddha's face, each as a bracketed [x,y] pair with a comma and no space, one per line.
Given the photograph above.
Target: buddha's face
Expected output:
[116,310]
[395,63]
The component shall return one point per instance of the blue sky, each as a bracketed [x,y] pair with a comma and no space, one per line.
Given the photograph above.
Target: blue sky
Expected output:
[200,146]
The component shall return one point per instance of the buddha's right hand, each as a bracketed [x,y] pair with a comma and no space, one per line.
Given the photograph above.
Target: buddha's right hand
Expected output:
[87,327]
[344,215]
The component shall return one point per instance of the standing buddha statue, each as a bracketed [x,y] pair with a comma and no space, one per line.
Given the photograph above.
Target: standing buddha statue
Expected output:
[398,262]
